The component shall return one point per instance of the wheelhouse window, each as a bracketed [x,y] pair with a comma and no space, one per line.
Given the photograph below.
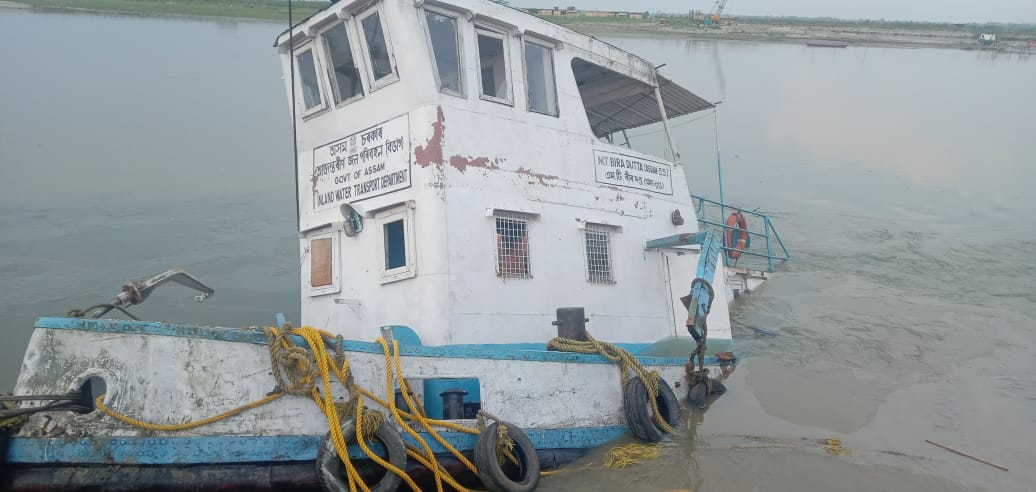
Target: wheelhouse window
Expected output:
[539,79]
[379,53]
[442,34]
[512,246]
[597,243]
[309,85]
[397,244]
[493,71]
[345,75]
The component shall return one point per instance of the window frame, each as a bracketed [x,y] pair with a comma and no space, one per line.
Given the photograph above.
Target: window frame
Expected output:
[376,83]
[409,270]
[504,38]
[310,46]
[609,231]
[336,264]
[551,49]
[350,36]
[525,218]
[461,58]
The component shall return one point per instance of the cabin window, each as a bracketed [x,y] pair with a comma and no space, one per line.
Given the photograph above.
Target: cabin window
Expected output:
[323,264]
[442,34]
[597,244]
[493,71]
[378,51]
[309,85]
[397,244]
[539,79]
[512,245]
[345,75]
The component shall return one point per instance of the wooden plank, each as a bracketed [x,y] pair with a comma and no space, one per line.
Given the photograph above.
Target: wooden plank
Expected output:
[320,262]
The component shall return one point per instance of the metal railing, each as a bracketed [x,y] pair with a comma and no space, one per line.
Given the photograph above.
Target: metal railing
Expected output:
[758,225]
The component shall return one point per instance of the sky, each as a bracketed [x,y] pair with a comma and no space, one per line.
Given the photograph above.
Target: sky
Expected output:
[964,11]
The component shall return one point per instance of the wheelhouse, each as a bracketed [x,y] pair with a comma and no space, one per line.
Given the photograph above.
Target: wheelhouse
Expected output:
[458,171]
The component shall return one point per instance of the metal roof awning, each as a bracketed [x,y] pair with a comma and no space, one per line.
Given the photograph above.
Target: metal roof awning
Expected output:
[616,102]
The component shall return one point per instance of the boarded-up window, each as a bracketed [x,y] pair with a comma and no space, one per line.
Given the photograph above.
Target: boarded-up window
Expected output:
[320,262]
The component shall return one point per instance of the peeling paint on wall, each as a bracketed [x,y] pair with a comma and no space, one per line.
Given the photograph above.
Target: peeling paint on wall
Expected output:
[431,152]
[462,163]
[542,178]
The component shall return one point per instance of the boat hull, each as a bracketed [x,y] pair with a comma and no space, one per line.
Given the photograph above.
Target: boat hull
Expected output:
[167,374]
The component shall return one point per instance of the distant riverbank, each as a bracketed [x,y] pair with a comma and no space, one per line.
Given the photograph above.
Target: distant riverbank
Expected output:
[831,32]
[241,9]
[802,31]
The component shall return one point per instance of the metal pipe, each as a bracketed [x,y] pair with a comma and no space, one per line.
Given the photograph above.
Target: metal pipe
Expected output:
[719,161]
[769,253]
[665,120]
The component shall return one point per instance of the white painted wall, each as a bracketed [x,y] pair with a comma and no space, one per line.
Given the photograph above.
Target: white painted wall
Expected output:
[493,156]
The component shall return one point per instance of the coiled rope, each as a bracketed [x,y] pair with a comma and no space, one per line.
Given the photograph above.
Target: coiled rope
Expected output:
[627,363]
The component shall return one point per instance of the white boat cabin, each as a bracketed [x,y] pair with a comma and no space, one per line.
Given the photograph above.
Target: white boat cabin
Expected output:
[455,175]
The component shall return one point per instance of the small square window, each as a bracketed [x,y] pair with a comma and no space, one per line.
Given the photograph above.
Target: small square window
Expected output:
[397,244]
[512,246]
[493,70]
[597,240]
[309,85]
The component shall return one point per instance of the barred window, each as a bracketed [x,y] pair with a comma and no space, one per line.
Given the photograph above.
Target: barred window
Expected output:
[598,254]
[512,246]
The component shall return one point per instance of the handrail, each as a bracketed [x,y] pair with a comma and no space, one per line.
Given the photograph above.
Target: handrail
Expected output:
[775,248]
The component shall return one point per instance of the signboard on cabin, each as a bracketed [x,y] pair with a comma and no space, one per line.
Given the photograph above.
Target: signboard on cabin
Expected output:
[633,172]
[366,164]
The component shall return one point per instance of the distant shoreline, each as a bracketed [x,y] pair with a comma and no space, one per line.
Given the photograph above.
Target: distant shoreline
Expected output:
[787,31]
[269,10]
[832,33]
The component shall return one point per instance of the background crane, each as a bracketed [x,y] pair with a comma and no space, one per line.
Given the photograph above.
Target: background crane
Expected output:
[717,10]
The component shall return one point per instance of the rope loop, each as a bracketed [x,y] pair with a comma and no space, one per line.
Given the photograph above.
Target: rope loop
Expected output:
[627,363]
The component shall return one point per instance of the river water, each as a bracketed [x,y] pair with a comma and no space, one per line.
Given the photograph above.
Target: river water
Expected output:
[900,179]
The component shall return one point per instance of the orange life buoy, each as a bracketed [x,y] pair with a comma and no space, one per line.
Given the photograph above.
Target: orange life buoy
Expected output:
[736,237]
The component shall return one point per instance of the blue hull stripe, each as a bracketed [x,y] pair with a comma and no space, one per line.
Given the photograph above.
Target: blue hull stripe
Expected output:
[248,449]
[524,352]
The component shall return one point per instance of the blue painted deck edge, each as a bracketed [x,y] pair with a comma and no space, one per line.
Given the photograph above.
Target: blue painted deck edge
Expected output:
[249,449]
[255,336]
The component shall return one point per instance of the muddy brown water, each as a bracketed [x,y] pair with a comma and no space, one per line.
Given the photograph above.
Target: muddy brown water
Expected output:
[900,179]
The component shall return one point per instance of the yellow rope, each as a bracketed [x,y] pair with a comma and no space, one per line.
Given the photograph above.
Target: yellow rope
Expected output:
[186,425]
[631,454]
[296,371]
[627,362]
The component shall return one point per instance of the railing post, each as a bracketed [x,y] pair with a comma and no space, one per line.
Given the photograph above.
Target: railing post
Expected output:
[769,252]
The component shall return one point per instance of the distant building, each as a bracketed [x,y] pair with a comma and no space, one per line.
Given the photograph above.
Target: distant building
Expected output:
[572,11]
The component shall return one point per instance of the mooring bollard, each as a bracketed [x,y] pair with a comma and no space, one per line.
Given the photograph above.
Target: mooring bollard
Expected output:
[453,403]
[571,323]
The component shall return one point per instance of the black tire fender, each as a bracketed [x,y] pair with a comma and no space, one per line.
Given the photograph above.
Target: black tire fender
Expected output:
[507,477]
[638,411]
[331,471]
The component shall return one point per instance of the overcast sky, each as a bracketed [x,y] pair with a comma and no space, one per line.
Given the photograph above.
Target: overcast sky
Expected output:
[1023,11]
